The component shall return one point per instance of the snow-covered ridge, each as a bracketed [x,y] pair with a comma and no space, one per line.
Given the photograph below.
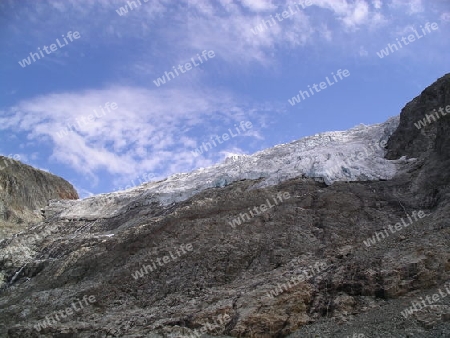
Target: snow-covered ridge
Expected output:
[353,155]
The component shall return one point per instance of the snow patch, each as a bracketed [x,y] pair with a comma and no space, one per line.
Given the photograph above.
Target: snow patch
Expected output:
[352,155]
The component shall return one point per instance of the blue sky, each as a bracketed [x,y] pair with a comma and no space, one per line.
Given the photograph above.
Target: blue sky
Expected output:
[154,129]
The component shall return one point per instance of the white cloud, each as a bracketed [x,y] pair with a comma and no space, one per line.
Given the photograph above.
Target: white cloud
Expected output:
[411,6]
[415,6]
[223,26]
[325,32]
[148,132]
[363,52]
[377,4]
[351,14]
[258,5]
[231,36]
[359,14]
[445,16]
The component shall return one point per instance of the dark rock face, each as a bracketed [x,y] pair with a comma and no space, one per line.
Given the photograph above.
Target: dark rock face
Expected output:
[429,177]
[304,267]
[24,190]
[410,141]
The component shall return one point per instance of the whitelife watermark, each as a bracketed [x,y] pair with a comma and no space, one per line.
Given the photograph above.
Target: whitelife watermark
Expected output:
[53,48]
[124,10]
[244,126]
[427,120]
[398,226]
[416,306]
[281,196]
[280,16]
[323,85]
[165,260]
[145,177]
[306,274]
[411,38]
[188,66]
[90,118]
[50,319]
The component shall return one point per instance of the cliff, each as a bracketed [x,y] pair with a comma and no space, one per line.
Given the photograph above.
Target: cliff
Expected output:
[24,191]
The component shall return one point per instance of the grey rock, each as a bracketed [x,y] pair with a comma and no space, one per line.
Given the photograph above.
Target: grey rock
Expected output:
[25,192]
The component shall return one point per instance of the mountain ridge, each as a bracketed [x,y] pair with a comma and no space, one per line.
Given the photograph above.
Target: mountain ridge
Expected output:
[324,157]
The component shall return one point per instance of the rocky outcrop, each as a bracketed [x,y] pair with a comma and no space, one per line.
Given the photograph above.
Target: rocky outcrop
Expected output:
[24,191]
[428,178]
[414,140]
[317,260]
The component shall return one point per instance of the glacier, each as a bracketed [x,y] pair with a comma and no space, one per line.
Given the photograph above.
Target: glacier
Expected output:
[356,154]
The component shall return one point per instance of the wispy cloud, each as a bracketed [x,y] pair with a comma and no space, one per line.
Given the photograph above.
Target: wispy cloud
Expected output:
[228,25]
[411,6]
[149,131]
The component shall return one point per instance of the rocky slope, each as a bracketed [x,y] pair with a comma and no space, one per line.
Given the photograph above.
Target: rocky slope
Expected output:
[24,191]
[341,247]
